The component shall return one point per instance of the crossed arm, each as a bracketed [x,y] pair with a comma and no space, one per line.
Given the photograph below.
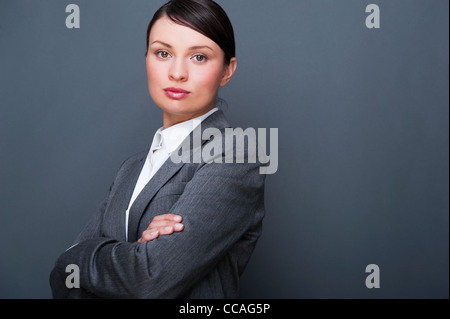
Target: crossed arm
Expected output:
[218,207]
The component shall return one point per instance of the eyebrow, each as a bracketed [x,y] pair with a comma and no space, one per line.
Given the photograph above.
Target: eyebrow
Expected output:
[195,47]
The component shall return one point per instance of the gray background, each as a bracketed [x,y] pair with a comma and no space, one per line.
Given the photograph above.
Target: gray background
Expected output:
[363,137]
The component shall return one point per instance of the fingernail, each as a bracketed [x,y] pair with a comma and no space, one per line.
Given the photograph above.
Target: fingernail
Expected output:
[177,218]
[179,226]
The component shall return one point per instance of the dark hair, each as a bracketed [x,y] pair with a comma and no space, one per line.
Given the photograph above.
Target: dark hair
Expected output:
[203,16]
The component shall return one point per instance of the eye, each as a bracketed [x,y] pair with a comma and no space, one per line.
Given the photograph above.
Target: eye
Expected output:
[199,58]
[162,54]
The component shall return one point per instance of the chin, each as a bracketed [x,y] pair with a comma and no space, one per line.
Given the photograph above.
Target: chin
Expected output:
[180,108]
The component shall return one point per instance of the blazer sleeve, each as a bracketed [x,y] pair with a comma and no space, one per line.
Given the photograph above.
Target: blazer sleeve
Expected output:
[219,205]
[92,228]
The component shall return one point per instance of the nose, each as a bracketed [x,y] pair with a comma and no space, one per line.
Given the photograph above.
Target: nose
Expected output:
[178,71]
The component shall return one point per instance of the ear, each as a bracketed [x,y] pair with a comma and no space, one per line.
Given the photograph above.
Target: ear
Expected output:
[229,72]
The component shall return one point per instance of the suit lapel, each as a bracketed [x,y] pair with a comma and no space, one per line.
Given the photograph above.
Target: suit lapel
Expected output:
[120,200]
[167,170]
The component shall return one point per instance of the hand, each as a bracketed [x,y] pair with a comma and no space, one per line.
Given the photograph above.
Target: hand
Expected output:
[162,225]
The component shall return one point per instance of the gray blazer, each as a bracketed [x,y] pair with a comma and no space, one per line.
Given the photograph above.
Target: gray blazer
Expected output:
[222,205]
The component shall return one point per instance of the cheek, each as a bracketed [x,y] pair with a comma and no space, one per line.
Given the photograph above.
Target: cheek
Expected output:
[155,79]
[210,78]
[153,73]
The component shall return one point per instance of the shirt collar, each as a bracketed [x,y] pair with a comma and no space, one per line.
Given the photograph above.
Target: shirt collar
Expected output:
[172,137]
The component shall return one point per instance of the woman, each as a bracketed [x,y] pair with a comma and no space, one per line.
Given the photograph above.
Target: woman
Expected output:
[172,229]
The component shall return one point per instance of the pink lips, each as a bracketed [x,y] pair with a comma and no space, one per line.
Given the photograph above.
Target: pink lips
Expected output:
[176,93]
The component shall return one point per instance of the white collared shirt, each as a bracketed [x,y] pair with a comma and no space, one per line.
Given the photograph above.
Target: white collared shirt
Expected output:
[165,141]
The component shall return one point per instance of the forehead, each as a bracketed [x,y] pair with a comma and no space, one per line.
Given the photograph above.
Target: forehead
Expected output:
[177,35]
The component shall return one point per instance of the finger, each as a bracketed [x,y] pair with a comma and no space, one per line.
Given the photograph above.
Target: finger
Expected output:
[149,235]
[161,224]
[176,218]
[167,230]
[178,227]
[153,233]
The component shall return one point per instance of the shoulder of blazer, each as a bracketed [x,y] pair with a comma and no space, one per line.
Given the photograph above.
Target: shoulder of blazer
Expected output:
[134,159]
[216,120]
